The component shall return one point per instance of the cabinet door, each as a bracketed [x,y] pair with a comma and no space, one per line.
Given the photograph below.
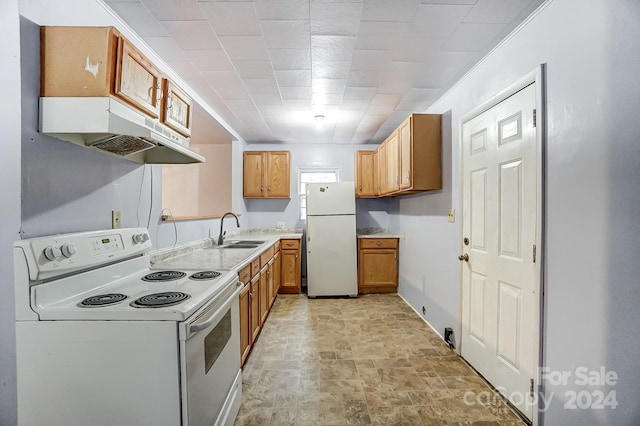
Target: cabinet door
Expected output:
[176,109]
[255,308]
[253,186]
[245,322]
[406,145]
[382,168]
[290,271]
[264,294]
[393,178]
[378,270]
[365,171]
[137,80]
[277,271]
[278,174]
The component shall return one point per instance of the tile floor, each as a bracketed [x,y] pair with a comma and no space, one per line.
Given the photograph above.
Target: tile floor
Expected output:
[369,360]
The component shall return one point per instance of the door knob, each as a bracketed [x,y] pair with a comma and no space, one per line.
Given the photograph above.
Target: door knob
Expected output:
[464,257]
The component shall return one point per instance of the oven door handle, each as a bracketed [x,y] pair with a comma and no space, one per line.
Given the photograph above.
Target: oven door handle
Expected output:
[214,317]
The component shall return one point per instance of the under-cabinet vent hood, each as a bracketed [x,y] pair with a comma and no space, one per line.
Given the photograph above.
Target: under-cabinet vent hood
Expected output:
[105,124]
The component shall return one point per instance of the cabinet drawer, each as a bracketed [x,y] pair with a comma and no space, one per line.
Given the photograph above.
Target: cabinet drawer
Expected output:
[266,256]
[245,274]
[255,266]
[378,243]
[290,244]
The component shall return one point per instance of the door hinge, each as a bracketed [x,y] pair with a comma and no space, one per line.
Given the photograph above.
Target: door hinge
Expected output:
[531,388]
[534,253]
[534,118]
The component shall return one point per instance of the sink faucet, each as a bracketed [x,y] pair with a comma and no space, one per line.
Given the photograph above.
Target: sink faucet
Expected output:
[221,236]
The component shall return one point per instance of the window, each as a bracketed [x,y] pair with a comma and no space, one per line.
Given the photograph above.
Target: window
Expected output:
[306,176]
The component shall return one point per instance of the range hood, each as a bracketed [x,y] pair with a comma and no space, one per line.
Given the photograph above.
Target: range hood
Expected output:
[108,125]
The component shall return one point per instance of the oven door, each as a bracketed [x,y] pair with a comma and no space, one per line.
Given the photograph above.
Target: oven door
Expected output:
[211,357]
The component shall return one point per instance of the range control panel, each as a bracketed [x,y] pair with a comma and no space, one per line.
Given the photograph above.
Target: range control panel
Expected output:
[57,255]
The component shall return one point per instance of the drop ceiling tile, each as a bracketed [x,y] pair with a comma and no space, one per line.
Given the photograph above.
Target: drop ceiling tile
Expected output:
[166,48]
[293,78]
[286,34]
[241,105]
[299,105]
[355,104]
[328,85]
[417,49]
[364,78]
[254,69]
[438,20]
[359,93]
[261,85]
[335,18]
[209,60]
[332,48]
[267,99]
[232,18]
[296,93]
[330,69]
[138,17]
[370,59]
[370,123]
[381,35]
[328,99]
[282,9]
[417,99]
[393,86]
[384,99]
[272,110]
[248,48]
[174,10]
[290,59]
[190,35]
[389,11]
[451,2]
[219,79]
[472,37]
[496,11]
[185,69]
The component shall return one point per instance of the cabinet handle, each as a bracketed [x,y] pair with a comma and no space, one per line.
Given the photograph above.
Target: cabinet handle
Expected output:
[360,188]
[296,256]
[378,243]
[395,257]
[289,244]
[269,188]
[169,102]
[261,188]
[158,94]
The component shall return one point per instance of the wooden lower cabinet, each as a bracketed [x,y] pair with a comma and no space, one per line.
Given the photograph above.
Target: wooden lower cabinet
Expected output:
[291,261]
[264,294]
[255,308]
[245,321]
[377,265]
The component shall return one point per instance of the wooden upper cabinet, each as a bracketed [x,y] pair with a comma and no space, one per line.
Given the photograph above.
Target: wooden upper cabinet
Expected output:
[408,161]
[138,81]
[266,174]
[420,153]
[99,61]
[393,164]
[176,108]
[381,154]
[278,174]
[365,174]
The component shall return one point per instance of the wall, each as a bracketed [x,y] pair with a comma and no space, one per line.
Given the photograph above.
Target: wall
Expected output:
[10,190]
[592,199]
[199,189]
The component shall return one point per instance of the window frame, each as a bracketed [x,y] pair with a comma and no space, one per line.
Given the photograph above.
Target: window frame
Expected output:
[302,195]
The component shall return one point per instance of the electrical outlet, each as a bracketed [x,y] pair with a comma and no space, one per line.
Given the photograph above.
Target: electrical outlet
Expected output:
[451,217]
[280,225]
[115,219]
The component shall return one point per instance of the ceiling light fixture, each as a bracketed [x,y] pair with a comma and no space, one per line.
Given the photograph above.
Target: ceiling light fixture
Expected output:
[319,118]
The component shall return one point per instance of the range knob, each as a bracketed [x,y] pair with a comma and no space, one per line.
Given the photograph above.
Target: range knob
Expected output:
[68,250]
[52,253]
[140,238]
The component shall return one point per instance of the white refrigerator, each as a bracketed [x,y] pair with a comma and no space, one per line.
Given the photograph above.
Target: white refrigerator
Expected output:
[331,240]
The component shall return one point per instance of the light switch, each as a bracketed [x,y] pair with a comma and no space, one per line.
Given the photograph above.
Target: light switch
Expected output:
[452,215]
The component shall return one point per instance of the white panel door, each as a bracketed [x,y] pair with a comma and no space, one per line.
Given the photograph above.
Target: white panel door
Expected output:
[332,256]
[499,280]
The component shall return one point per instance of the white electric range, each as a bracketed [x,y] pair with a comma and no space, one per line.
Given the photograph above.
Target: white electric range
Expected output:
[102,339]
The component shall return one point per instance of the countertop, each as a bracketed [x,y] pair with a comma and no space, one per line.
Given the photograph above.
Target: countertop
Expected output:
[375,233]
[204,254]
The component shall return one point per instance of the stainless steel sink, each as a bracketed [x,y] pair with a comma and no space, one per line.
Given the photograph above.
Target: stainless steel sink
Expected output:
[238,246]
[254,242]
